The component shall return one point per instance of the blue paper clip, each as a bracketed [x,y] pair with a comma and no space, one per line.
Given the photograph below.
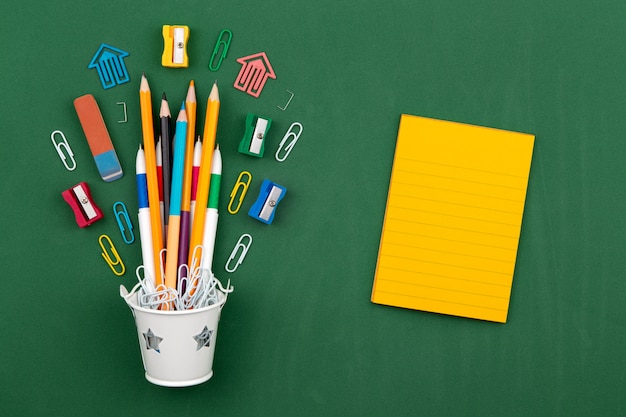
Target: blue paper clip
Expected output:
[244,250]
[264,207]
[109,62]
[126,227]
[220,44]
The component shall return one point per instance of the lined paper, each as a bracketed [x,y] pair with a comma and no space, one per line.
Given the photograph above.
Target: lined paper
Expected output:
[453,218]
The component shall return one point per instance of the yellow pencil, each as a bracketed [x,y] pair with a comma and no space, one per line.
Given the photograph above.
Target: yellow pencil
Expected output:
[202,195]
[145,102]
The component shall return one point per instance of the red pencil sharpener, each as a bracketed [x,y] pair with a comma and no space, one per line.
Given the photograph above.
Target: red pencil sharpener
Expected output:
[85,209]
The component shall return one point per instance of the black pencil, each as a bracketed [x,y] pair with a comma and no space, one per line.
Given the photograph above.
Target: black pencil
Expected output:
[166,152]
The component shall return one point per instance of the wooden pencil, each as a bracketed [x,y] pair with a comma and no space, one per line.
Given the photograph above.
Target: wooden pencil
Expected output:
[185,215]
[202,194]
[166,152]
[145,102]
[173,235]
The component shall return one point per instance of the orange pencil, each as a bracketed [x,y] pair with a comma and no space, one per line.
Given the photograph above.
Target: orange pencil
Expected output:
[202,195]
[185,215]
[145,102]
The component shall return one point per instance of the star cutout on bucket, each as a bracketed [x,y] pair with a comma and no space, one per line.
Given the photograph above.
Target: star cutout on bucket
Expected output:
[204,338]
[152,341]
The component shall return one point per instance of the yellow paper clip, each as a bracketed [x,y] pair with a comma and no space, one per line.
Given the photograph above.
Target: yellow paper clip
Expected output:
[244,250]
[289,146]
[223,45]
[235,191]
[123,222]
[59,146]
[105,254]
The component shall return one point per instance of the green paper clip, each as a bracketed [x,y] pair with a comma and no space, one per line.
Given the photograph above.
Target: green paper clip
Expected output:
[223,45]
[253,141]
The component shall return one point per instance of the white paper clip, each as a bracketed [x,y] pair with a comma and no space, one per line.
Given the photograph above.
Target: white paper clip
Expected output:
[288,101]
[244,250]
[289,146]
[59,146]
[123,104]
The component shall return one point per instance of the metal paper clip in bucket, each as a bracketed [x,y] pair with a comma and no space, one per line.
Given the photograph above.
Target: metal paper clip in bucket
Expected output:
[222,44]
[294,135]
[244,189]
[123,222]
[59,146]
[111,261]
[244,250]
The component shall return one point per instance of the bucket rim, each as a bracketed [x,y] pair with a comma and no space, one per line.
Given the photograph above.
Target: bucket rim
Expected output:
[131,300]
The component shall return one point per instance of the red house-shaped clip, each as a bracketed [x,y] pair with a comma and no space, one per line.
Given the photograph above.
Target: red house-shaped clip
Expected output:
[254,73]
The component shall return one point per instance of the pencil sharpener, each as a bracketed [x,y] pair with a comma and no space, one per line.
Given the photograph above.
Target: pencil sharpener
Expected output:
[264,207]
[85,209]
[175,46]
[253,141]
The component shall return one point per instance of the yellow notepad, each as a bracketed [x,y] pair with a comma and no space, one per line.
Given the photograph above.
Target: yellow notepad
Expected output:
[453,218]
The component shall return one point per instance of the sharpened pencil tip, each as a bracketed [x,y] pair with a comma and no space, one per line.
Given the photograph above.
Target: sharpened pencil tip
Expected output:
[164,97]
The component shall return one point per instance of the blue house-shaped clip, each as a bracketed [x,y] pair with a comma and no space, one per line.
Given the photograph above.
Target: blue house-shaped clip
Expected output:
[109,62]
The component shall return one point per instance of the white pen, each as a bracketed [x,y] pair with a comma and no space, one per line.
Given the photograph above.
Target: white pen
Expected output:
[210,224]
[143,216]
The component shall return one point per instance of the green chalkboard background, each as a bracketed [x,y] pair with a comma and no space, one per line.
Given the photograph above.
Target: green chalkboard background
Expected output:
[299,336]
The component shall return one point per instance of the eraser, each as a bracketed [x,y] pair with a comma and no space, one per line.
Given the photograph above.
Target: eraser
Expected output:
[98,138]
[85,209]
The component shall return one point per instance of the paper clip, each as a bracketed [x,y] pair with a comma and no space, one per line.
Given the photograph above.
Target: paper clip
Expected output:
[291,144]
[288,101]
[63,144]
[123,104]
[111,262]
[223,44]
[242,256]
[235,191]
[123,222]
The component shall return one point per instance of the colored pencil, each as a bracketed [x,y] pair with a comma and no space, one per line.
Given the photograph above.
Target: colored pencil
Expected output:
[166,148]
[185,207]
[173,234]
[159,170]
[145,101]
[195,171]
[202,194]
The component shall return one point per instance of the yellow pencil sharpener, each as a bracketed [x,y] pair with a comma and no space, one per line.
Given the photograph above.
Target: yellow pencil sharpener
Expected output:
[175,46]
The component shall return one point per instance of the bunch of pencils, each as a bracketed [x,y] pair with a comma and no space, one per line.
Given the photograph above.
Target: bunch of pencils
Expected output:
[177,236]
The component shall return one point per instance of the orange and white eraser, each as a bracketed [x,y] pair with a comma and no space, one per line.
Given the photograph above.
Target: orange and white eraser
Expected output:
[98,138]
